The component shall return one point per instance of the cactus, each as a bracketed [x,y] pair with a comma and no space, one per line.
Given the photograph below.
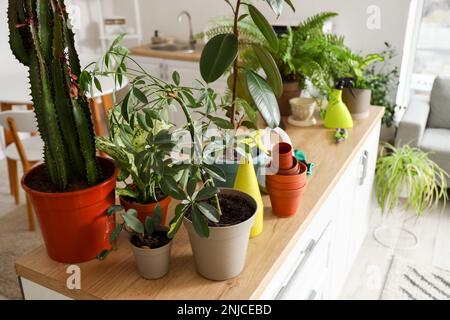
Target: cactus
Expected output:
[41,39]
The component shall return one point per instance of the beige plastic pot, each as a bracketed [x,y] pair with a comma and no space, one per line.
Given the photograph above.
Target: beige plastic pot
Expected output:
[222,255]
[359,104]
[152,263]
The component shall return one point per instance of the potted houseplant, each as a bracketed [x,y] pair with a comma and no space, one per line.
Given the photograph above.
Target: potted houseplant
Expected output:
[408,172]
[139,152]
[295,59]
[72,190]
[149,241]
[358,98]
[382,81]
[218,220]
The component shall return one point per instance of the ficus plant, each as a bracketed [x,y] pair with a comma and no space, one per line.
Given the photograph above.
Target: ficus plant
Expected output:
[40,38]
[221,53]
[187,178]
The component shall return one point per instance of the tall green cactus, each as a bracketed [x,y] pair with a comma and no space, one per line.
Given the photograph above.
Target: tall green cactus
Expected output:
[41,39]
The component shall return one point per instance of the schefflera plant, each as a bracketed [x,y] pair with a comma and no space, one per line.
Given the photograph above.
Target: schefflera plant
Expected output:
[248,89]
[41,40]
[190,182]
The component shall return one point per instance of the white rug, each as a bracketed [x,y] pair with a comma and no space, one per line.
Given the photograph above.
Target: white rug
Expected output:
[409,281]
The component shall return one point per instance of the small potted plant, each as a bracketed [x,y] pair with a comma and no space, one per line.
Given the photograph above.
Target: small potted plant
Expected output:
[139,147]
[72,190]
[407,172]
[149,241]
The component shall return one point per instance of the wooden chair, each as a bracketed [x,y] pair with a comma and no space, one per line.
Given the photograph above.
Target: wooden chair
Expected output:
[29,150]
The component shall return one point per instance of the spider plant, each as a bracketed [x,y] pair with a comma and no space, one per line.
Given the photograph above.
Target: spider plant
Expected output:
[409,170]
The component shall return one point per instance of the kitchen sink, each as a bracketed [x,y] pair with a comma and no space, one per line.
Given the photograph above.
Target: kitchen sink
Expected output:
[173,47]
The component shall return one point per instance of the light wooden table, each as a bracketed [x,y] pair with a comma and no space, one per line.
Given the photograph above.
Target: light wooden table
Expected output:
[116,277]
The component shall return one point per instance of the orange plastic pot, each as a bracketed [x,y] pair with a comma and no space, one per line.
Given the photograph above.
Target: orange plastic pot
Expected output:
[286,203]
[286,186]
[290,179]
[74,225]
[283,153]
[294,170]
[146,210]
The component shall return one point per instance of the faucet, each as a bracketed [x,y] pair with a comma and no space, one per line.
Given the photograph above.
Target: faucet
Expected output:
[192,41]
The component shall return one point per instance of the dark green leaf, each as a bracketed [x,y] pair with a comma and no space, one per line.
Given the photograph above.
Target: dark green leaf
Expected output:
[169,186]
[176,78]
[133,222]
[214,172]
[242,17]
[140,95]
[209,211]
[102,255]
[206,193]
[157,215]
[264,98]
[222,123]
[270,68]
[124,108]
[97,84]
[290,4]
[217,55]
[143,122]
[190,187]
[149,226]
[115,233]
[264,26]
[200,225]
[114,209]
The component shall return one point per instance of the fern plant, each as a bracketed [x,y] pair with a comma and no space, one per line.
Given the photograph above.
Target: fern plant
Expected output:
[41,40]
[409,170]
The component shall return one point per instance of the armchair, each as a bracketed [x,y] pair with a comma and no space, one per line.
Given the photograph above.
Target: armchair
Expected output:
[426,124]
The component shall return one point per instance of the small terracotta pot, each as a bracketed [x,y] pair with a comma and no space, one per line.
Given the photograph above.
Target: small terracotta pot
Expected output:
[285,203]
[146,210]
[283,153]
[290,179]
[295,170]
[286,186]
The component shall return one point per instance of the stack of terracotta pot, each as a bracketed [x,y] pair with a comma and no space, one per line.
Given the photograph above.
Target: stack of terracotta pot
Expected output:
[287,186]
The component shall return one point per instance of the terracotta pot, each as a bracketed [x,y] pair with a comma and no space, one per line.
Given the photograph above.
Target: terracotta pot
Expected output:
[359,103]
[282,155]
[222,255]
[145,210]
[152,263]
[285,203]
[74,225]
[290,90]
[294,170]
[287,186]
[290,179]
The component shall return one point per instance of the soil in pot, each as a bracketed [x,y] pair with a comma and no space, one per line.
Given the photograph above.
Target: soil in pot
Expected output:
[234,210]
[158,239]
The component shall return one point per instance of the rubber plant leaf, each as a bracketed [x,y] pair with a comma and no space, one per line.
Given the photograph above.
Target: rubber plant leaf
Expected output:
[264,26]
[270,68]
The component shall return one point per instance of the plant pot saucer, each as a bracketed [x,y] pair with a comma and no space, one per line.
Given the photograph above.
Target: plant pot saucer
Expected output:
[301,123]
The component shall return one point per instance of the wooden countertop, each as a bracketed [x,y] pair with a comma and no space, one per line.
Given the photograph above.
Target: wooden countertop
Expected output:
[116,277]
[145,51]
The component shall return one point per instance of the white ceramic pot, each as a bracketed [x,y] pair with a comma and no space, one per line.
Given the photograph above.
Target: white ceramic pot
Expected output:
[222,255]
[302,108]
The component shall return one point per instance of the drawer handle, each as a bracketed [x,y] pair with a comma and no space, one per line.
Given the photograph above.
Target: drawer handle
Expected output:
[364,161]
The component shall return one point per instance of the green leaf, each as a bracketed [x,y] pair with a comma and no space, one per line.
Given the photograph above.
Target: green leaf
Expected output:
[115,233]
[149,226]
[222,123]
[141,117]
[290,4]
[206,193]
[102,255]
[217,55]
[200,225]
[140,95]
[242,17]
[270,68]
[125,192]
[97,84]
[133,222]
[264,26]
[190,187]
[114,209]
[209,211]
[169,186]
[214,172]
[176,78]
[176,222]
[264,98]
[157,215]
[132,212]
[124,107]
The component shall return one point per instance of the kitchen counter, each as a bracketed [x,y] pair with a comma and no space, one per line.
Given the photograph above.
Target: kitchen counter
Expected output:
[116,277]
[145,51]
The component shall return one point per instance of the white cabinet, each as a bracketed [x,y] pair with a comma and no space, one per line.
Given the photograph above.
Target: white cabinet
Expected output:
[319,263]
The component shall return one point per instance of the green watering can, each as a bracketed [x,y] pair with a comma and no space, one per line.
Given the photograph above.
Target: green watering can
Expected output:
[337,114]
